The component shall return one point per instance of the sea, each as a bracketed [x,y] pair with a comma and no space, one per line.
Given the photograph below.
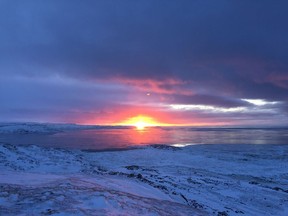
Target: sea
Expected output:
[119,138]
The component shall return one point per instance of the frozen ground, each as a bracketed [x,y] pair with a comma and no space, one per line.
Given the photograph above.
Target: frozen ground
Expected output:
[155,180]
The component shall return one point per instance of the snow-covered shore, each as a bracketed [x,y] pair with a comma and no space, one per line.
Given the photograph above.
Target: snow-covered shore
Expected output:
[154,180]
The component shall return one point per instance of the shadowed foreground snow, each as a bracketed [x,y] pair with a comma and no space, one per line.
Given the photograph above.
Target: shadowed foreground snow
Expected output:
[155,180]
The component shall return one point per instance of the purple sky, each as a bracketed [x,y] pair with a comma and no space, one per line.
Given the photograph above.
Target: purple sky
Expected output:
[192,62]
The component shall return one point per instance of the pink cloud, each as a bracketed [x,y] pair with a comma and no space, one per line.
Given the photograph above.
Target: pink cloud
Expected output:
[165,86]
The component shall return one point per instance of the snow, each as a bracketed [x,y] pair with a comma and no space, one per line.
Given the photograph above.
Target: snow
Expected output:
[44,128]
[25,128]
[153,180]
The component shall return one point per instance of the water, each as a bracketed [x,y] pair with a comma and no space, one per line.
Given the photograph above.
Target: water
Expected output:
[111,138]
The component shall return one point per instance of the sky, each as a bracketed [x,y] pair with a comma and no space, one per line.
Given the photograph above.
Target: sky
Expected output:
[194,62]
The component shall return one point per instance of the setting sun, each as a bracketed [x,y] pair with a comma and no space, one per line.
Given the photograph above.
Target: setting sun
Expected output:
[140,122]
[140,125]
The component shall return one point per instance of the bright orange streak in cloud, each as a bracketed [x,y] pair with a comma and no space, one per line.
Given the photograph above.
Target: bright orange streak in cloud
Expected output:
[151,116]
[140,122]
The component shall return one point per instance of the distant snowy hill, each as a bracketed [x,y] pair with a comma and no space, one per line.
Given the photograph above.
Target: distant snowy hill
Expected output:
[44,128]
[34,127]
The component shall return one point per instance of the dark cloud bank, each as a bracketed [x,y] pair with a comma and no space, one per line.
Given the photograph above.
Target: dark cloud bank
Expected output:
[62,56]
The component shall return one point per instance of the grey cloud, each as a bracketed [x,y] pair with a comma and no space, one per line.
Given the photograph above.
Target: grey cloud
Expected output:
[224,50]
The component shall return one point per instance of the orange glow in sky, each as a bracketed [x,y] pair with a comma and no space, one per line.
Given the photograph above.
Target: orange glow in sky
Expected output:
[140,122]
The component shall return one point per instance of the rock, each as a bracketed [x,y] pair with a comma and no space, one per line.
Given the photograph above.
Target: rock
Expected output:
[132,167]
